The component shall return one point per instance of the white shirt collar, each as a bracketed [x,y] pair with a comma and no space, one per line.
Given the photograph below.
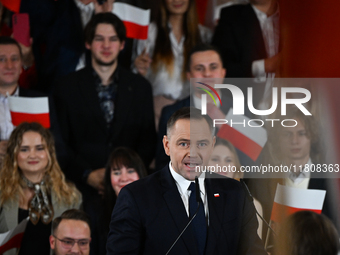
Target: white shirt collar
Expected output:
[303,174]
[15,94]
[262,15]
[183,184]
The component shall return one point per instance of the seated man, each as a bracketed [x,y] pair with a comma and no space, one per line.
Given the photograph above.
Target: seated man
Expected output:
[71,233]
[151,213]
[11,62]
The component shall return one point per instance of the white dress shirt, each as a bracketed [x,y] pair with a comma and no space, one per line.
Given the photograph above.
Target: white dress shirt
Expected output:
[270,32]
[301,180]
[6,126]
[183,185]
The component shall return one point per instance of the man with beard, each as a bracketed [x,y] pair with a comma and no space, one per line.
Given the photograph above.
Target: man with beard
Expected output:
[104,106]
[71,233]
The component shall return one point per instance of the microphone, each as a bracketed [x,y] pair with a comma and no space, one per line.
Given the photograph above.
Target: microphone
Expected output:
[198,195]
[251,199]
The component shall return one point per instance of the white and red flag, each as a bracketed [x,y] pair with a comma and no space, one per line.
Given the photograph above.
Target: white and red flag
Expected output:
[289,200]
[12,238]
[136,20]
[29,109]
[249,139]
[13,5]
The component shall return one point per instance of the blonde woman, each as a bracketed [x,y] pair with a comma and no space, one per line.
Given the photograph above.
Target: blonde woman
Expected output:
[33,185]
[224,157]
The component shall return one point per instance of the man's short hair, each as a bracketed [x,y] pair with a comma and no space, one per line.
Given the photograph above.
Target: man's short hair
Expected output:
[6,40]
[188,113]
[200,48]
[72,214]
[104,18]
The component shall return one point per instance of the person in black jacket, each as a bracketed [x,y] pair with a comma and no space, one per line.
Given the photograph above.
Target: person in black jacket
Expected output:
[104,106]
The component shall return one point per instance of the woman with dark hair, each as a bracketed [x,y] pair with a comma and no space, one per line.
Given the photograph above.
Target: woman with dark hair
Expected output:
[124,166]
[162,58]
[307,233]
[33,185]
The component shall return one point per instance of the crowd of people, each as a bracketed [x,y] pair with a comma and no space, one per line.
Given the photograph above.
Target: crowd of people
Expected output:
[116,173]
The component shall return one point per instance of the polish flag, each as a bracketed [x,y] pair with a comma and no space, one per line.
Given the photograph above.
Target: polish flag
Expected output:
[13,5]
[289,200]
[249,139]
[12,238]
[136,20]
[29,109]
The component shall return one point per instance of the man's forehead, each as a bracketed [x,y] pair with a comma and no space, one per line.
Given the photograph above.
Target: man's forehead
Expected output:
[9,49]
[299,127]
[72,227]
[205,58]
[104,29]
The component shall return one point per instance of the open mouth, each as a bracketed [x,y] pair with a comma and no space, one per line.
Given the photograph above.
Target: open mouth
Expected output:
[192,165]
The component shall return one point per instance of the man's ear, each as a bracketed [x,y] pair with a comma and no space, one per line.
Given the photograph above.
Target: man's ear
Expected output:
[87,46]
[214,141]
[166,144]
[188,76]
[52,242]
[122,45]
[224,72]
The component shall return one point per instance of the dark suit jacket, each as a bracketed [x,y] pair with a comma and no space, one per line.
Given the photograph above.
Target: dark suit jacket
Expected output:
[85,130]
[149,215]
[238,36]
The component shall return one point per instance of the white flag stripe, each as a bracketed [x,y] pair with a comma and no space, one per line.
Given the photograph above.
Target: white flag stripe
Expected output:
[300,198]
[132,14]
[257,134]
[20,228]
[31,105]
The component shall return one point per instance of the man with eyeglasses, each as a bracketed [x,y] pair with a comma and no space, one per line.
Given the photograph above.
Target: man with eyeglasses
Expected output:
[71,233]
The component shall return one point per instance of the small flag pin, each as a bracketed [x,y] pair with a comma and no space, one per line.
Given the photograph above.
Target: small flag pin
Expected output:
[216,195]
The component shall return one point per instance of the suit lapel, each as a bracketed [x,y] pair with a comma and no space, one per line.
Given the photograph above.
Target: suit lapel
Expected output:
[87,90]
[177,210]
[216,214]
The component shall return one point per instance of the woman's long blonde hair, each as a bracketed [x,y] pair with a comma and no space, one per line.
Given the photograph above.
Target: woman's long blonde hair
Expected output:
[11,183]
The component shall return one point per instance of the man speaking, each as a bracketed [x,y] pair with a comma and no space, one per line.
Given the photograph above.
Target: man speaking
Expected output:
[151,213]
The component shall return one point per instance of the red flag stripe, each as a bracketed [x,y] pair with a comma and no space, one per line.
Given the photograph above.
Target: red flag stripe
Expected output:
[280,212]
[13,5]
[136,31]
[240,141]
[14,242]
[42,118]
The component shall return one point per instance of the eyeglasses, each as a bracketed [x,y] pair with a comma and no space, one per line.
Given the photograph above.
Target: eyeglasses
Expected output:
[68,243]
